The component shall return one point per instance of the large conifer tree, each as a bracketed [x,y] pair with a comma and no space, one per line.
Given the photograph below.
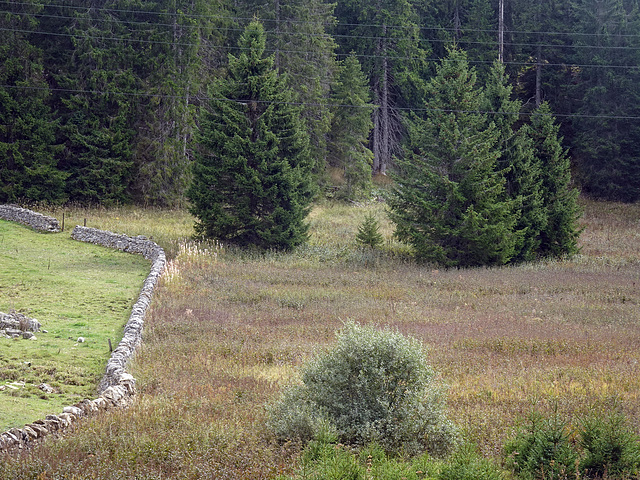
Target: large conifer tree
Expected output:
[385,35]
[560,234]
[517,161]
[181,45]
[350,128]
[607,127]
[252,172]
[28,163]
[302,48]
[97,107]
[449,202]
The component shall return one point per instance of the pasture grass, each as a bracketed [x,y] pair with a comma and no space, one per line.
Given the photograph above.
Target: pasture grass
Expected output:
[229,329]
[74,290]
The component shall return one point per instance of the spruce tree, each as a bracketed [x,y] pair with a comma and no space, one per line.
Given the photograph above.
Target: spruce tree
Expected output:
[304,51]
[99,87]
[28,161]
[560,235]
[607,127]
[181,40]
[350,129]
[386,36]
[125,76]
[540,47]
[252,172]
[517,161]
[470,24]
[369,233]
[448,202]
[478,37]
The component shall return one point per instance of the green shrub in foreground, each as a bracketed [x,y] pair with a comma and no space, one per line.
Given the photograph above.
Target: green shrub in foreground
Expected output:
[373,386]
[548,448]
[466,464]
[542,449]
[325,460]
[611,450]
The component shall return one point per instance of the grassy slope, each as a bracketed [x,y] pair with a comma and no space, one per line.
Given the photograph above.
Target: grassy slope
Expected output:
[73,289]
[227,332]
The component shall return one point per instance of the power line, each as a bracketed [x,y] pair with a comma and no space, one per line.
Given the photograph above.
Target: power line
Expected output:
[304,52]
[318,104]
[225,29]
[328,24]
[335,36]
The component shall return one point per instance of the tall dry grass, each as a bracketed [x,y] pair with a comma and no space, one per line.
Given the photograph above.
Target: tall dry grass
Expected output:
[167,227]
[227,330]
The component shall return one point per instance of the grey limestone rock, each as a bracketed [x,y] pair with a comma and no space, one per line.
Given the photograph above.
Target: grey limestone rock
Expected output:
[45,388]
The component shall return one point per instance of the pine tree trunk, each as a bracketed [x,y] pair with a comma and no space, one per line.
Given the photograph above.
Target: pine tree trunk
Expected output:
[276,8]
[457,23]
[376,137]
[386,124]
[382,121]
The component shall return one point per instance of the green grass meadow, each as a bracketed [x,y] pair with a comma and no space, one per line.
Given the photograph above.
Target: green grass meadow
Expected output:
[74,290]
[228,330]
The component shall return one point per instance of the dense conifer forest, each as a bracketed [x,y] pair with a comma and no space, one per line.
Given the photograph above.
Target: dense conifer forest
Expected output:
[100,101]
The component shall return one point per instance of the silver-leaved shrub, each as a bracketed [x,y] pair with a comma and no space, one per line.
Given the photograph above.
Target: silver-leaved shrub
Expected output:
[372,386]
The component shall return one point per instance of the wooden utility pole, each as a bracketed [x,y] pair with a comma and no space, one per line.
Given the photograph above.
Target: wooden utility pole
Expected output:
[501,31]
[277,35]
[539,75]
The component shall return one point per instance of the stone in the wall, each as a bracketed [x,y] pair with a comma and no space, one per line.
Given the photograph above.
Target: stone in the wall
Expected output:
[40,430]
[87,406]
[52,422]
[16,433]
[29,432]
[102,403]
[66,419]
[74,411]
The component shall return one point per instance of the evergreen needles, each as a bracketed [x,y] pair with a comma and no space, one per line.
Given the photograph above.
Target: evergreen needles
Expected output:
[473,188]
[252,173]
[369,233]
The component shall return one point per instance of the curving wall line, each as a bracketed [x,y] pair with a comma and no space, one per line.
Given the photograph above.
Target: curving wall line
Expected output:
[117,386]
[115,371]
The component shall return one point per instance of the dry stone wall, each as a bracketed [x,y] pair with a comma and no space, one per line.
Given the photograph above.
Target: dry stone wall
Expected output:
[30,218]
[132,336]
[117,386]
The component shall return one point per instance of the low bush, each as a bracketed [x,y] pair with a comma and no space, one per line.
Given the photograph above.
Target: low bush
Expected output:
[466,464]
[373,386]
[323,459]
[601,446]
[542,449]
[611,449]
